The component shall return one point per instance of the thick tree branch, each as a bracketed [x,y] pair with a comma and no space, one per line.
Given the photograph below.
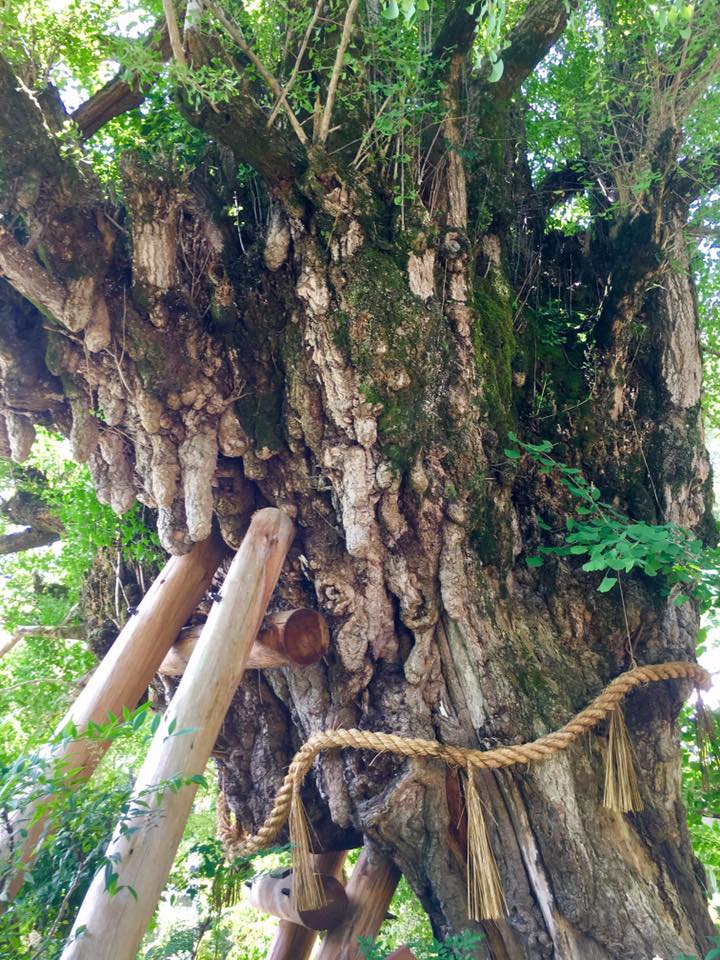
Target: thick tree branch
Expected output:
[532,37]
[27,147]
[241,125]
[458,31]
[26,540]
[120,94]
[27,509]
[25,274]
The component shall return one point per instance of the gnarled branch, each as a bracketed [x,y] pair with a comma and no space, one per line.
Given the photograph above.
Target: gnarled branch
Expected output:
[530,39]
[28,539]
[458,31]
[25,274]
[121,93]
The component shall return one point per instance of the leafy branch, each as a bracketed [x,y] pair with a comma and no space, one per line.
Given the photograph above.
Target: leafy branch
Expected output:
[614,543]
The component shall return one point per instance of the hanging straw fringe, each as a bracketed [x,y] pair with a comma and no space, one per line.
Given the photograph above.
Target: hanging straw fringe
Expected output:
[306,891]
[621,787]
[625,795]
[485,897]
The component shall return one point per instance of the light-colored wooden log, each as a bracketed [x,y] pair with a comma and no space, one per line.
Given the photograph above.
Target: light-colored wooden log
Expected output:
[370,889]
[112,928]
[272,893]
[293,942]
[288,639]
[402,953]
[119,681]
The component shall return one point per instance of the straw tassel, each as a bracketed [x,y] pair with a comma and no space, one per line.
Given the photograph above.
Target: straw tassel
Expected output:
[306,891]
[621,787]
[486,900]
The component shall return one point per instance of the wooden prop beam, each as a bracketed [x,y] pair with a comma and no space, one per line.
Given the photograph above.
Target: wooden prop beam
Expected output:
[288,639]
[272,893]
[144,845]
[402,953]
[293,942]
[370,889]
[119,681]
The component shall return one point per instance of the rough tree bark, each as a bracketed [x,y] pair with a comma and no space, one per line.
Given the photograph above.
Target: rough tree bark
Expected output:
[364,378]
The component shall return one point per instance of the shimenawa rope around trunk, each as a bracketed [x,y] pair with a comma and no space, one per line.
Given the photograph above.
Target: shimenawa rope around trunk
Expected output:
[485,898]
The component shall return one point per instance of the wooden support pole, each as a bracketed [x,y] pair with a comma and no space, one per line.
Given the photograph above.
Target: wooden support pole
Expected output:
[370,889]
[272,893]
[293,942]
[288,639]
[402,953]
[144,844]
[119,681]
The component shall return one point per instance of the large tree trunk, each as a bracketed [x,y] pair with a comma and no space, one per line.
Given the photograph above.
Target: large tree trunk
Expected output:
[364,377]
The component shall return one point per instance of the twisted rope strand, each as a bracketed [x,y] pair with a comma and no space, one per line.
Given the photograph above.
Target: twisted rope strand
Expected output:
[494,759]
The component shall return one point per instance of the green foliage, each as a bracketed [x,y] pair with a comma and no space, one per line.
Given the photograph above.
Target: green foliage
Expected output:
[68,42]
[713,954]
[614,543]
[589,108]
[462,946]
[701,785]
[80,819]
[43,587]
[67,490]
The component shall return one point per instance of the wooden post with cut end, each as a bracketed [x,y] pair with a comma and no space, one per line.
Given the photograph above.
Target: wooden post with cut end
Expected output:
[402,953]
[370,889]
[144,844]
[293,942]
[119,681]
[291,638]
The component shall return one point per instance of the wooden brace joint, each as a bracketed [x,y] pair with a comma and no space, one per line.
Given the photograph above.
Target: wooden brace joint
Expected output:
[293,638]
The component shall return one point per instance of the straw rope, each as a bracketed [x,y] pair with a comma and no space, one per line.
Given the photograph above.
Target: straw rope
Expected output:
[494,759]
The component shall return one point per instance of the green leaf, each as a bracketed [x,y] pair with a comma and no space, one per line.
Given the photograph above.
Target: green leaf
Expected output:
[512,454]
[607,584]
[391,11]
[534,561]
[496,72]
